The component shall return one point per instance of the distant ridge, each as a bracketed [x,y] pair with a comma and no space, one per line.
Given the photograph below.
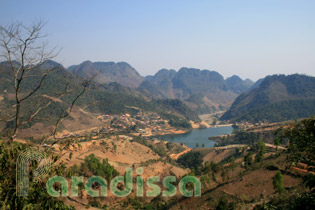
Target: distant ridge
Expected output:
[107,72]
[203,90]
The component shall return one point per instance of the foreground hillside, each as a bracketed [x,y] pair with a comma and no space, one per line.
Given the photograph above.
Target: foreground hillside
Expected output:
[257,175]
[251,176]
[276,98]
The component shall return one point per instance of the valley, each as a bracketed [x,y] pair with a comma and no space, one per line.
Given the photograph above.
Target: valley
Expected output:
[99,135]
[232,152]
[225,172]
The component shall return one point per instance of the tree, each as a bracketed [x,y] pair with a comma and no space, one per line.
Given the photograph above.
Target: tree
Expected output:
[309,181]
[93,166]
[191,160]
[23,48]
[278,182]
[233,163]
[215,167]
[205,179]
[248,159]
[223,204]
[277,142]
[301,139]
[115,147]
[224,175]
[38,198]
[261,151]
[20,48]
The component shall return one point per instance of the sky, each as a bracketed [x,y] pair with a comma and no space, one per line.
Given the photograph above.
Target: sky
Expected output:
[251,39]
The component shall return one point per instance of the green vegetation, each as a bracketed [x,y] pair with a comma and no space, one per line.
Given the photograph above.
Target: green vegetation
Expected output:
[277,182]
[70,155]
[301,138]
[298,196]
[301,149]
[178,106]
[156,203]
[160,148]
[239,137]
[178,123]
[261,150]
[224,204]
[277,142]
[37,198]
[292,201]
[93,166]
[156,149]
[192,160]
[248,159]
[280,111]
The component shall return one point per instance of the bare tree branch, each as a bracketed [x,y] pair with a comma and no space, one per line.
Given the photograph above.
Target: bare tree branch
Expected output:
[36,112]
[21,46]
[22,43]
[32,116]
[90,104]
[67,113]
[34,90]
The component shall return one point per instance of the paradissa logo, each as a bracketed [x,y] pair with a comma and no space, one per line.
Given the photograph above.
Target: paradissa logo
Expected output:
[33,154]
[154,191]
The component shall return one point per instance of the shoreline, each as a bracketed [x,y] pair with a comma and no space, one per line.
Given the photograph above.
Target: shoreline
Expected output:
[189,130]
[221,125]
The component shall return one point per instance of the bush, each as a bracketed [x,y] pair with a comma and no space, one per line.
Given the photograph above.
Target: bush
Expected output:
[191,160]
[278,182]
[93,166]
[37,197]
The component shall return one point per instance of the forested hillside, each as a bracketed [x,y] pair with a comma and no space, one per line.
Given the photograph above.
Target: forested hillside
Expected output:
[277,98]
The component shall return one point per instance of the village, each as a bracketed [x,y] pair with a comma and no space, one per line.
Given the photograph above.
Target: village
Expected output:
[143,124]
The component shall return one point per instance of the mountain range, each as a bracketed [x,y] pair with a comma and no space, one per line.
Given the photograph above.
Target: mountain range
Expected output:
[204,91]
[107,72]
[182,94]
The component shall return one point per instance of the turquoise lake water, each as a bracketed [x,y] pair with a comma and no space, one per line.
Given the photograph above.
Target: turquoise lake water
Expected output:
[198,136]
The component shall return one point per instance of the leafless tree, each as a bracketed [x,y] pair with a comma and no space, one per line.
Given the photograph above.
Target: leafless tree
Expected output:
[25,50]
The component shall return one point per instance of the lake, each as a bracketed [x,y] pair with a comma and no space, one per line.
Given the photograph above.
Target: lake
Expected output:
[198,136]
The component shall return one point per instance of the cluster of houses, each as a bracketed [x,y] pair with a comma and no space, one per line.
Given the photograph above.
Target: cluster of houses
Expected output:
[143,123]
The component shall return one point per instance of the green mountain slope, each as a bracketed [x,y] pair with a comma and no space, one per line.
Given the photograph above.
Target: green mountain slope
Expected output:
[276,98]
[150,90]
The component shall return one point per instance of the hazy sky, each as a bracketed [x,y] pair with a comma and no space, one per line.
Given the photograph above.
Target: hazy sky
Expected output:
[248,38]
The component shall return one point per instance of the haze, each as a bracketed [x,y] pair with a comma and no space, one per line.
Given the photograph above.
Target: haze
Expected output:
[249,38]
